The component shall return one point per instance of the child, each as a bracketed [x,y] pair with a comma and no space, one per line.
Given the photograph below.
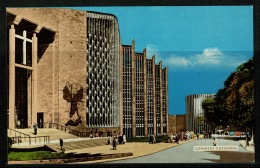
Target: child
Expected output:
[214,142]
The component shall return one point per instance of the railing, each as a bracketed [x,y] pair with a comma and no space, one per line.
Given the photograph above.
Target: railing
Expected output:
[45,139]
[76,132]
[69,130]
[17,136]
[18,139]
[17,132]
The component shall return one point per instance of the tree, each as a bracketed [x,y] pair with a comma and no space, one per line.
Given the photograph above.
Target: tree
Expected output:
[208,106]
[200,120]
[233,104]
[240,95]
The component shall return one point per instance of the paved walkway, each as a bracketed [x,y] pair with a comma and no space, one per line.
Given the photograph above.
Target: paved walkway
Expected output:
[185,154]
[138,149]
[251,146]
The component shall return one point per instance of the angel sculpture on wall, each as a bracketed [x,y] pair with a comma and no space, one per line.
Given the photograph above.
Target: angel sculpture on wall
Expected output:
[73,100]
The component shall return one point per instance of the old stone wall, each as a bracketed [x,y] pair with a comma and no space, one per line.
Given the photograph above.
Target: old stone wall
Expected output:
[177,123]
[172,123]
[62,62]
[181,123]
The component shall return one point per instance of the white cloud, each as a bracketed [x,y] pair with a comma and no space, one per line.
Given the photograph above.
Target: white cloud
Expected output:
[179,61]
[152,50]
[209,56]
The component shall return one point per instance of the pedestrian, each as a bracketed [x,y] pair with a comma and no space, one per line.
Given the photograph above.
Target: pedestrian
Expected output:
[177,139]
[114,143]
[198,135]
[18,124]
[35,127]
[109,140]
[22,123]
[61,144]
[40,123]
[151,139]
[124,139]
[154,140]
[171,137]
[91,133]
[214,142]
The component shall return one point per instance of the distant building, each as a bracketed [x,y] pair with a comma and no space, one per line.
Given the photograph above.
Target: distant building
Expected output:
[195,120]
[172,124]
[177,123]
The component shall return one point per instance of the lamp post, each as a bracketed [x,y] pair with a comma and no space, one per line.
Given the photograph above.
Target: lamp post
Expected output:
[247,144]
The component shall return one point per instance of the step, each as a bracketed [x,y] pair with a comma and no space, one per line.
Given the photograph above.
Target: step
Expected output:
[78,144]
[52,132]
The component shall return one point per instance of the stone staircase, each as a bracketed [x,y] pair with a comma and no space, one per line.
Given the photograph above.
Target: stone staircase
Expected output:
[70,142]
[72,145]
[52,132]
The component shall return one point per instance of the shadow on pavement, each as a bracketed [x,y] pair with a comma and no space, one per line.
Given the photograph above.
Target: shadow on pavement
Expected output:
[234,157]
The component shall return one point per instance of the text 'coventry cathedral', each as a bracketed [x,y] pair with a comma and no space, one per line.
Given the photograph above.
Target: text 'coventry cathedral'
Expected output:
[69,67]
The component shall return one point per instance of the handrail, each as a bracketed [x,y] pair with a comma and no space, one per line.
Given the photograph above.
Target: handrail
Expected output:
[69,130]
[46,139]
[18,132]
[19,138]
[72,131]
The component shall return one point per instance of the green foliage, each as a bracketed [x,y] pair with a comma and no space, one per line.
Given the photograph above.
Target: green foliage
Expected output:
[200,120]
[36,155]
[249,65]
[209,110]
[233,104]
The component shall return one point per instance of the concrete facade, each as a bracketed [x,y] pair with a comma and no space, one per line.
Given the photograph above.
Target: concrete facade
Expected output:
[103,81]
[195,114]
[145,94]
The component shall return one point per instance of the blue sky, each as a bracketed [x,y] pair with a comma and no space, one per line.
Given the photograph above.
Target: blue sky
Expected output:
[200,45]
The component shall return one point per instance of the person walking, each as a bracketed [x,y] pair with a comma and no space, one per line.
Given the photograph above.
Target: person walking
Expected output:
[61,144]
[124,139]
[91,133]
[154,140]
[171,138]
[18,124]
[151,139]
[214,142]
[114,143]
[41,126]
[210,134]
[35,127]
[177,139]
[22,123]
[109,140]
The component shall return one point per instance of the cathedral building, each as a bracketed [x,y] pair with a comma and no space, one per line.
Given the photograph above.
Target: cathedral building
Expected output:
[69,67]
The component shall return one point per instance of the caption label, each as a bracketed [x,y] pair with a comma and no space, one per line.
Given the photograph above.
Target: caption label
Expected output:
[215,148]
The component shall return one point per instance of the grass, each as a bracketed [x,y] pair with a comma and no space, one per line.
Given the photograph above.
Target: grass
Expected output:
[35,155]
